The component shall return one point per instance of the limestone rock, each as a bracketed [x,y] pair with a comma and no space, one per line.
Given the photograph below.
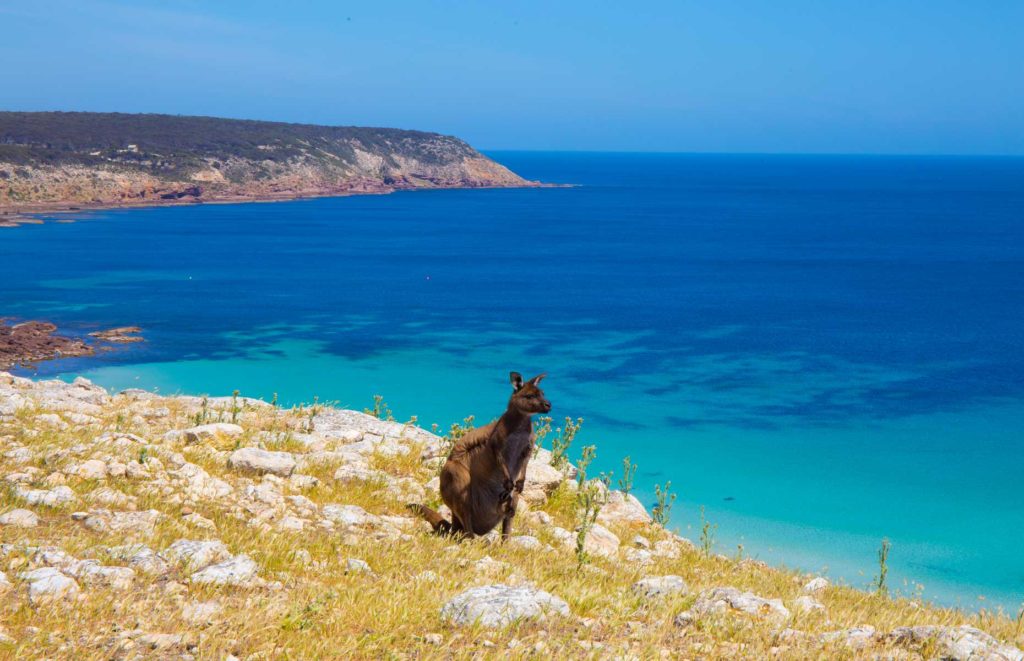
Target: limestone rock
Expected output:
[136,523]
[660,586]
[48,584]
[962,643]
[499,605]
[54,497]
[254,460]
[19,518]
[195,555]
[239,570]
[623,508]
[728,600]
[601,542]
[212,430]
[816,584]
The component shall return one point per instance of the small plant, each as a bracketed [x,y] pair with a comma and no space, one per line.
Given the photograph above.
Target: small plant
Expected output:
[707,534]
[143,455]
[739,552]
[380,409]
[663,505]
[563,440]
[541,428]
[883,566]
[589,499]
[628,473]
[313,411]
[119,423]
[204,411]
[235,410]
[273,401]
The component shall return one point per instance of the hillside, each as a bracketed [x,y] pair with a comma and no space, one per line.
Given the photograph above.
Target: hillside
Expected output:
[49,159]
[140,526]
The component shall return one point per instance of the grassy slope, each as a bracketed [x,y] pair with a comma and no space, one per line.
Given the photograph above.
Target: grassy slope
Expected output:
[323,611]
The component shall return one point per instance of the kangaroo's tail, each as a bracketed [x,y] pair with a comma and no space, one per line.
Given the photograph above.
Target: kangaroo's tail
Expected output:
[440,525]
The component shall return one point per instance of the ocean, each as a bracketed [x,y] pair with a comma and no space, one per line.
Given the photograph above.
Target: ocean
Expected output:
[820,351]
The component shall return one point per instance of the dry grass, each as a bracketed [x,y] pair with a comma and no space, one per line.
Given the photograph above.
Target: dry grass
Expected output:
[321,610]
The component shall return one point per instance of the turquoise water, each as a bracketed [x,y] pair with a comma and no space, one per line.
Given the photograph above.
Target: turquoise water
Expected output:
[821,351]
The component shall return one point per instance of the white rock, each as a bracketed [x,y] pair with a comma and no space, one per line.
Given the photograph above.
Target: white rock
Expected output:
[54,497]
[727,600]
[212,430]
[141,558]
[601,542]
[195,555]
[660,586]
[91,572]
[239,570]
[94,469]
[199,521]
[962,643]
[357,566]
[348,515]
[109,497]
[501,605]
[254,460]
[816,584]
[5,583]
[622,508]
[136,523]
[527,542]
[48,584]
[541,481]
[855,638]
[638,556]
[19,518]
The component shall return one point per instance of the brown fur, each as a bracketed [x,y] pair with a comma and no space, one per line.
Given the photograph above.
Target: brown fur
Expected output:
[485,471]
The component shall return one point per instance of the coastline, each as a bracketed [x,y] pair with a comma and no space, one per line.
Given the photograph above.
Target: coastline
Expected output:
[28,214]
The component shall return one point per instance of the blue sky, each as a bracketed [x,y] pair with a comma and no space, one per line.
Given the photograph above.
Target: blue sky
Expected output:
[934,76]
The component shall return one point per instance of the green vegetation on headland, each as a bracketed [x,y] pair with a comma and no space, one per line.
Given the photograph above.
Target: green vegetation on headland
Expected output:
[50,158]
[136,525]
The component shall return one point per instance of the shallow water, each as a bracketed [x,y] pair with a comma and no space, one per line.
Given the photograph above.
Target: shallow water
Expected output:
[822,351]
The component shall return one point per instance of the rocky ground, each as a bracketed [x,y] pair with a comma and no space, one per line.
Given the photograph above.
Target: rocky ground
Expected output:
[139,526]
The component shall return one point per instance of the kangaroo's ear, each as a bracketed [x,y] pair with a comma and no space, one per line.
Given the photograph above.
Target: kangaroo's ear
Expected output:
[517,380]
[537,379]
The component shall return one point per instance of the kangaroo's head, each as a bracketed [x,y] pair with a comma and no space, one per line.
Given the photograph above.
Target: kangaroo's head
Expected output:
[527,396]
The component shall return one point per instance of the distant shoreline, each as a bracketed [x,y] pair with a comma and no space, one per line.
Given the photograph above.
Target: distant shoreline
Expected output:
[28,214]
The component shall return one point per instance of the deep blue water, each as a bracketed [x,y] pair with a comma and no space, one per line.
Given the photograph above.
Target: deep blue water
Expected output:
[821,350]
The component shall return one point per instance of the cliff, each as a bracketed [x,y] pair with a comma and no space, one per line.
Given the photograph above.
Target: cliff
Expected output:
[51,159]
[140,526]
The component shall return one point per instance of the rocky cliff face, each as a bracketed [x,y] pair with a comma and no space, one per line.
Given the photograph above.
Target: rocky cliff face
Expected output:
[112,159]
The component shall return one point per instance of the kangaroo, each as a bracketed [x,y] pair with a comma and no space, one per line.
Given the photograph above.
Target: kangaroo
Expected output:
[484,475]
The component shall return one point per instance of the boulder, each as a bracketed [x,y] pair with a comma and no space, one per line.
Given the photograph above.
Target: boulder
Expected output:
[135,523]
[660,586]
[500,605]
[732,600]
[239,570]
[54,497]
[195,555]
[254,460]
[601,542]
[48,584]
[816,584]
[212,430]
[623,508]
[962,643]
[19,518]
